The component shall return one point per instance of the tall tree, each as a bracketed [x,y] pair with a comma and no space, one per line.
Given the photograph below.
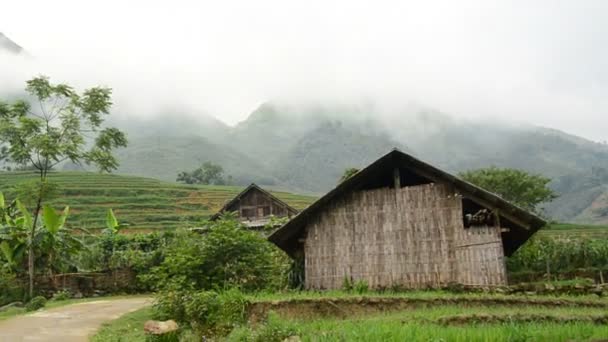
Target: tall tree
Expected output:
[525,189]
[57,124]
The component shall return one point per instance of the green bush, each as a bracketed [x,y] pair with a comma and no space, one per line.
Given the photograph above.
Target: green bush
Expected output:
[36,303]
[361,286]
[11,289]
[226,256]
[207,312]
[61,295]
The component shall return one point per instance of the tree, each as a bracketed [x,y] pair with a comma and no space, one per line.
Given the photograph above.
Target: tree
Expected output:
[208,173]
[520,187]
[59,125]
[348,173]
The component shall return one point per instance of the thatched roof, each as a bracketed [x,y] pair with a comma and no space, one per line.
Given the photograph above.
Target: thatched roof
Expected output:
[247,190]
[521,223]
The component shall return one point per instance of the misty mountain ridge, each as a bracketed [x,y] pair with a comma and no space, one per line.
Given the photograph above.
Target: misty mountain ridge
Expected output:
[306,148]
[7,45]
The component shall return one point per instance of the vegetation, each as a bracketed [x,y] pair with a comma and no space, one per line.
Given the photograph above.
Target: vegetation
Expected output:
[348,173]
[53,131]
[144,204]
[550,258]
[517,186]
[35,303]
[208,173]
[227,256]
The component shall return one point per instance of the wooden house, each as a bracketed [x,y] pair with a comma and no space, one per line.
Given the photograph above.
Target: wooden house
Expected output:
[403,222]
[255,206]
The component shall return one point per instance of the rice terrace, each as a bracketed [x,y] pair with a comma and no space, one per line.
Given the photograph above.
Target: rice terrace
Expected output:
[280,172]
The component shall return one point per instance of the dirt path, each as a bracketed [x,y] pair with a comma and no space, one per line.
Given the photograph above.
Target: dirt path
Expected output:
[71,323]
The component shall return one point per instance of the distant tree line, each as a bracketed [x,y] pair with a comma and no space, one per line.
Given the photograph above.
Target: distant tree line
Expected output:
[207,173]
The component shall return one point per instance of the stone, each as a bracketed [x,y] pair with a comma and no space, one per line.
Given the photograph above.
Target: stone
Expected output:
[160,327]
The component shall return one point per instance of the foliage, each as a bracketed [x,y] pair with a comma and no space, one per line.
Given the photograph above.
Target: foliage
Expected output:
[61,295]
[546,255]
[351,171]
[208,173]
[207,312]
[112,224]
[11,289]
[35,303]
[273,330]
[226,256]
[517,186]
[138,252]
[54,132]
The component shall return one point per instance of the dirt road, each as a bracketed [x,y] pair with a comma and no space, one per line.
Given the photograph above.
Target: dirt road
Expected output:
[71,323]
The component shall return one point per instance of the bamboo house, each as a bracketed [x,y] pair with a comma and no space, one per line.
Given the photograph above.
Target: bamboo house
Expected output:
[403,222]
[255,206]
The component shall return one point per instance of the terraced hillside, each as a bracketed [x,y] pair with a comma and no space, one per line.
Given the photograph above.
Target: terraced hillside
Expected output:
[145,204]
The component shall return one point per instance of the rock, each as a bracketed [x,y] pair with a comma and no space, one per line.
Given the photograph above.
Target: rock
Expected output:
[549,287]
[160,327]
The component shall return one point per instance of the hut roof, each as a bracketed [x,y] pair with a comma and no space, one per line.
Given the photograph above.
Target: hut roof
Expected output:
[522,223]
[251,187]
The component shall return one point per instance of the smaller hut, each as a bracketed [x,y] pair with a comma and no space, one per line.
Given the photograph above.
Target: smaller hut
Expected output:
[255,206]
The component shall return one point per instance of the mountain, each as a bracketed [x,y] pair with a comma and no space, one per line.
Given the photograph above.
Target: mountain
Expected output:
[9,46]
[306,148]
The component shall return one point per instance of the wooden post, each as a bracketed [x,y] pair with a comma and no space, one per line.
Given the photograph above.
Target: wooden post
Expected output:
[397,178]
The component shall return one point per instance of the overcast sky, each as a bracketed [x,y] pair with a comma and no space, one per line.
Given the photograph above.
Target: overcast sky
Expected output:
[542,62]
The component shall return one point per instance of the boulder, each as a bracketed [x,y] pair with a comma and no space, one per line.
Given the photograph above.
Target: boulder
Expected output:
[160,327]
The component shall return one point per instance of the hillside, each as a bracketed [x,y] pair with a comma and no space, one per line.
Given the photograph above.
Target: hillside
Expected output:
[145,204]
[305,149]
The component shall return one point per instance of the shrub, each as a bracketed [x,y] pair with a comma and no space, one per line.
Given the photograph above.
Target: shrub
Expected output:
[61,295]
[226,256]
[347,284]
[11,289]
[207,312]
[361,286]
[36,303]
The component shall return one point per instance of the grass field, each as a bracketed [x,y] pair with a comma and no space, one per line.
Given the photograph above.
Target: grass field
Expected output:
[145,204]
[535,318]
[575,230]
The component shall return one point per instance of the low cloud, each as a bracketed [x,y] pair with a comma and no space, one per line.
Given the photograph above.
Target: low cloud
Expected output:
[541,63]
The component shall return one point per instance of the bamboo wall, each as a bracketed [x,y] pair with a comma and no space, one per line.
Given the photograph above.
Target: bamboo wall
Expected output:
[413,237]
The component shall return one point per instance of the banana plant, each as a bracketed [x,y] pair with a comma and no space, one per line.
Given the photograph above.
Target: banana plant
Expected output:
[56,242]
[13,234]
[112,224]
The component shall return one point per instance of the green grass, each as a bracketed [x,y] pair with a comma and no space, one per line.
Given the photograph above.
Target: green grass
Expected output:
[386,329]
[145,204]
[572,230]
[128,327]
[418,323]
[414,294]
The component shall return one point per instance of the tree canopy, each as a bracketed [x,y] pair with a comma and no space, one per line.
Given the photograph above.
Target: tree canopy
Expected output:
[208,173]
[349,172]
[524,189]
[57,124]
